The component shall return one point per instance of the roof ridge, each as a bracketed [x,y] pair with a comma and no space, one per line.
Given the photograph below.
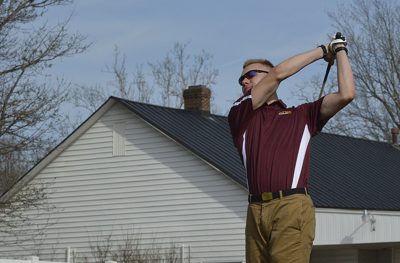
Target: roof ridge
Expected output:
[162,107]
[354,138]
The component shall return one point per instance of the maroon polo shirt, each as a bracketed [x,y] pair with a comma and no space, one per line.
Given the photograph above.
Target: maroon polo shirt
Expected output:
[273,142]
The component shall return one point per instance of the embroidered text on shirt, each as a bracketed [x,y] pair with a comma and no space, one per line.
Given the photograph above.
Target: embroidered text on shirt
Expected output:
[285,112]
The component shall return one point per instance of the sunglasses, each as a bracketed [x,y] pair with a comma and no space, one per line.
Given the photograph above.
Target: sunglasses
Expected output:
[250,74]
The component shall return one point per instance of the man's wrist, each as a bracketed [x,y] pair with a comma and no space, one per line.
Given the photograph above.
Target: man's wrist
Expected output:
[324,51]
[342,48]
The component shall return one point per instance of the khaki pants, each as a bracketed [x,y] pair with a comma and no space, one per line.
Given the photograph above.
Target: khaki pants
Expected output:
[281,230]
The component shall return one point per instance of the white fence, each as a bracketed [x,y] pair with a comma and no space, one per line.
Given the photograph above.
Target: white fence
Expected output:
[34,260]
[27,260]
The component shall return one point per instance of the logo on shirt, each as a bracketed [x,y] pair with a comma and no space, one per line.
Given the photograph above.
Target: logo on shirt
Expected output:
[285,112]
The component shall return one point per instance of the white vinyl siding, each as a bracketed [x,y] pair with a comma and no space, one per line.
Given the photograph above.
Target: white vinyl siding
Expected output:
[154,187]
[339,226]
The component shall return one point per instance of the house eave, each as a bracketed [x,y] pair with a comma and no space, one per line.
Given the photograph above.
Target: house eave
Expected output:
[349,227]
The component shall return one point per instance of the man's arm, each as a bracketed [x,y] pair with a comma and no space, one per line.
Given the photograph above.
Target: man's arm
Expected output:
[267,87]
[334,102]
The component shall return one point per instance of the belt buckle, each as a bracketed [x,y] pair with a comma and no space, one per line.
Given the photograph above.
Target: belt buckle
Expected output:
[266,196]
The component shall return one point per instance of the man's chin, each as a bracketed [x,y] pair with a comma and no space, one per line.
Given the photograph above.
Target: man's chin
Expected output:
[245,90]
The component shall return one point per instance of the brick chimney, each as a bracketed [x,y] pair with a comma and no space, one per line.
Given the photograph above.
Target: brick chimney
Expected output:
[197,98]
[395,135]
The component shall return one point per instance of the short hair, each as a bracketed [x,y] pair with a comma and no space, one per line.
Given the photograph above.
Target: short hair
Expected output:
[258,60]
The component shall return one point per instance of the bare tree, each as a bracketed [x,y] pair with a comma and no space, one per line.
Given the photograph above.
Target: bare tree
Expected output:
[118,70]
[89,98]
[16,224]
[169,78]
[372,28]
[137,88]
[132,249]
[178,70]
[143,89]
[29,106]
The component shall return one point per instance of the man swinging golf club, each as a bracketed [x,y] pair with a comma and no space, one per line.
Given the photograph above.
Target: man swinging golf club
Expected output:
[273,143]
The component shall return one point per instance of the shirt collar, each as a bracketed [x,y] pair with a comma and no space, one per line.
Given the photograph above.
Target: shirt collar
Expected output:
[278,104]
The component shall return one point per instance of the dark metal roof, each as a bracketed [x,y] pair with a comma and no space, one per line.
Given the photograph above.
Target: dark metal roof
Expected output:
[354,173]
[346,172]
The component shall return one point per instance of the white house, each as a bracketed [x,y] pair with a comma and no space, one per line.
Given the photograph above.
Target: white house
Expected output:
[173,175]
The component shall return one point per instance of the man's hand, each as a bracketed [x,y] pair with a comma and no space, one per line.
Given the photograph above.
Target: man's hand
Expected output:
[329,49]
[330,55]
[337,41]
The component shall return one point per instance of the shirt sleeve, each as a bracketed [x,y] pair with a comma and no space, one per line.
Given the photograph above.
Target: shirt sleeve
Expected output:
[239,115]
[313,111]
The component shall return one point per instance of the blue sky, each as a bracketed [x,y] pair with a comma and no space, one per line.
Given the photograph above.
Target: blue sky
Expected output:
[230,30]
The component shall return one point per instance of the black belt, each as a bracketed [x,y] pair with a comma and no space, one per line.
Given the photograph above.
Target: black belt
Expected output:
[268,196]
